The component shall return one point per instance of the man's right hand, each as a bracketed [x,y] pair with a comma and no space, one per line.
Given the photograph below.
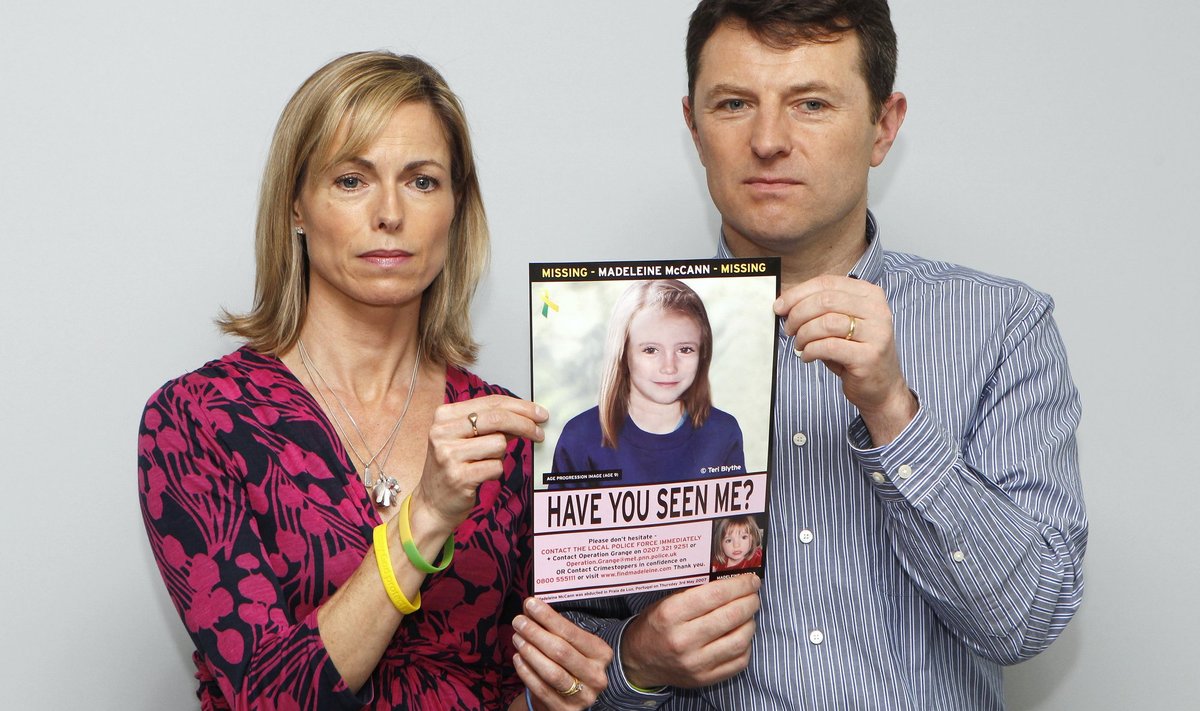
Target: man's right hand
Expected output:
[696,637]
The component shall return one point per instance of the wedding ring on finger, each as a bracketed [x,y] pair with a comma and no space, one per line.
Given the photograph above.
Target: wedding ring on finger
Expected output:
[473,418]
[573,689]
[853,325]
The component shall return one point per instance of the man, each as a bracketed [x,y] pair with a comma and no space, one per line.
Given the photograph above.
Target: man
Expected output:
[927,522]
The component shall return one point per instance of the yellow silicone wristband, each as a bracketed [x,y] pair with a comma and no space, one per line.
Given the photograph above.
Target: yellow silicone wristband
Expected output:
[410,548]
[384,560]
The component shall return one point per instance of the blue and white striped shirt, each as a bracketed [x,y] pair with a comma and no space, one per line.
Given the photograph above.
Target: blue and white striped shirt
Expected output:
[902,577]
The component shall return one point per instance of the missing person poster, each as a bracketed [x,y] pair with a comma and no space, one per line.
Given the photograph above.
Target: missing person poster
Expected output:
[659,378]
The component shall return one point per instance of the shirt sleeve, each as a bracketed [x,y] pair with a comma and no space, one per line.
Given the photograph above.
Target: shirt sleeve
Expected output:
[220,579]
[607,618]
[990,525]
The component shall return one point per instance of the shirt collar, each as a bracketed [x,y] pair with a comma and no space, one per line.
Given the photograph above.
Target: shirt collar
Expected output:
[869,266]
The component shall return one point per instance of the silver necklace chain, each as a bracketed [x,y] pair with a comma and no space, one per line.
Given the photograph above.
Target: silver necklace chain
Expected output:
[386,489]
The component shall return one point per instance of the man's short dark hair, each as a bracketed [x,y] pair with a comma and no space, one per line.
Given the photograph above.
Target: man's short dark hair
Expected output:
[787,23]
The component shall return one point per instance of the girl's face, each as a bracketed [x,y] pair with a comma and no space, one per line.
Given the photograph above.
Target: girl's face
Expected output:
[736,544]
[663,355]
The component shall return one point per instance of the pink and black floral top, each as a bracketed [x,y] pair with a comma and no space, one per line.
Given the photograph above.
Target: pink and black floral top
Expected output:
[256,516]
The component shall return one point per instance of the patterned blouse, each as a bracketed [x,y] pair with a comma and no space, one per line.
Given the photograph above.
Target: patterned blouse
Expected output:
[256,516]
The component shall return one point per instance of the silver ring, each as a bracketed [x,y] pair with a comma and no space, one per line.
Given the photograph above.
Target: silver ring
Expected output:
[473,418]
[573,689]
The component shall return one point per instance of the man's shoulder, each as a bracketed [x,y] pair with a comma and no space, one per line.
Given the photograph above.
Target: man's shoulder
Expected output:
[924,276]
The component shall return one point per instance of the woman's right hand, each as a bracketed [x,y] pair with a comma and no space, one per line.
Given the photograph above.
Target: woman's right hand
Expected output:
[554,656]
[464,453]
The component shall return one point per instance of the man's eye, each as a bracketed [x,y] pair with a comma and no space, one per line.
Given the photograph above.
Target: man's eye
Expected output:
[813,105]
[735,104]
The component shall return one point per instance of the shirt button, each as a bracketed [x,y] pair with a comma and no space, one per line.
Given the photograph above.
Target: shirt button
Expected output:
[878,477]
[904,471]
[958,556]
[799,439]
[816,636]
[806,536]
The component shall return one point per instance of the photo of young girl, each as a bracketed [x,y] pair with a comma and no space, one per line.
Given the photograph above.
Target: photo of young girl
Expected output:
[737,543]
[655,421]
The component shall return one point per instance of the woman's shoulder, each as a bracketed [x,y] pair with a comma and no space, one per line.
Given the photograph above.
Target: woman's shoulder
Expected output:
[226,378]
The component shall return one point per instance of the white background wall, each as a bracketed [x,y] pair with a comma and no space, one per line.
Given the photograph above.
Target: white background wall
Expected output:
[1046,141]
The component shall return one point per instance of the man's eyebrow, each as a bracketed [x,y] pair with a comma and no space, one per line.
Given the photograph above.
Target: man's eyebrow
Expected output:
[802,88]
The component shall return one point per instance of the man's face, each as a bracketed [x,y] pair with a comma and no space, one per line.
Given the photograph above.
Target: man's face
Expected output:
[787,138]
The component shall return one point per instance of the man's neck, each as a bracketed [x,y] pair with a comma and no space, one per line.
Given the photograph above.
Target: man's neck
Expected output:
[809,257]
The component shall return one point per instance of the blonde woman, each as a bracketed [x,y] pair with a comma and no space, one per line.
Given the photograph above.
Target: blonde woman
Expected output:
[338,508]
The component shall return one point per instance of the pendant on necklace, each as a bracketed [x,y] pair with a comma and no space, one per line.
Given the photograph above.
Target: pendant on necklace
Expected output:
[367,482]
[386,491]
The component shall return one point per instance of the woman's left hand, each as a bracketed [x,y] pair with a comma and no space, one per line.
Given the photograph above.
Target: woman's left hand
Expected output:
[563,666]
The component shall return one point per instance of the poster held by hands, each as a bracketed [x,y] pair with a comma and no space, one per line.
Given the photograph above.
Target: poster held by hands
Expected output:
[659,378]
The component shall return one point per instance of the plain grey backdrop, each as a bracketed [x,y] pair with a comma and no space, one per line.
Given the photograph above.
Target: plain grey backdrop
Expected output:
[1052,142]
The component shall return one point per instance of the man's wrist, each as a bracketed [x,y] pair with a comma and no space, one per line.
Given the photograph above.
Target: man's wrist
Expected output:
[890,421]
[632,670]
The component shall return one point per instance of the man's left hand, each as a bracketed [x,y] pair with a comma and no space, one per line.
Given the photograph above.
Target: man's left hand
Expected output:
[847,324]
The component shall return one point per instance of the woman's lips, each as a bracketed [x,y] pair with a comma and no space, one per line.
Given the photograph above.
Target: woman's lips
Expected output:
[386,257]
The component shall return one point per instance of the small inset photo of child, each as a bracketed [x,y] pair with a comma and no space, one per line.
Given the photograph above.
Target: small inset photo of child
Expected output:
[737,543]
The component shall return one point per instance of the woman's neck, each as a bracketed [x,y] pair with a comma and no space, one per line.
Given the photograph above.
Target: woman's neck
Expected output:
[363,350]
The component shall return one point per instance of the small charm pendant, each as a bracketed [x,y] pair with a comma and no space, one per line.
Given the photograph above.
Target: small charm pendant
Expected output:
[386,491]
[367,482]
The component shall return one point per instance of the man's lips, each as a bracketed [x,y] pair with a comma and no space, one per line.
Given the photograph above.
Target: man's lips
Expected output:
[769,182]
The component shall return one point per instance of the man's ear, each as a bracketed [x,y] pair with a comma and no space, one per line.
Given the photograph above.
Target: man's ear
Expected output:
[890,119]
[689,118]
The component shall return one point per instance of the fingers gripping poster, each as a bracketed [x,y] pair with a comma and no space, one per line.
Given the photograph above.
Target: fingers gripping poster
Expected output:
[659,379]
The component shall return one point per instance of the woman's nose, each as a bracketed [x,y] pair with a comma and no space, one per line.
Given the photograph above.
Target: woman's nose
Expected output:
[389,210]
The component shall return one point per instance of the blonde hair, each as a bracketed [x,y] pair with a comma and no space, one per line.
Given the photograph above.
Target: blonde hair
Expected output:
[722,525]
[353,97]
[669,296]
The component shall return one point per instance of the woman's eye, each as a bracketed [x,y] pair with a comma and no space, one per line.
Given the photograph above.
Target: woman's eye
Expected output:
[349,182]
[424,183]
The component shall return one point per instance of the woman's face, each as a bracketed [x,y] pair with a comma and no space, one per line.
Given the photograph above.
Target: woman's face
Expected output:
[736,544]
[663,355]
[377,224]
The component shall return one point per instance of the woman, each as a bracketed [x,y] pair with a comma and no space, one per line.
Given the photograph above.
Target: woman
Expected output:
[334,506]
[655,421]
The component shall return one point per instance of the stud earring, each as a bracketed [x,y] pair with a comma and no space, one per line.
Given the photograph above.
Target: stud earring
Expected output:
[300,232]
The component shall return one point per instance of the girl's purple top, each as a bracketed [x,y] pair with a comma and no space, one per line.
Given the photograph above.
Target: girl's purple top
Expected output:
[256,516]
[715,449]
